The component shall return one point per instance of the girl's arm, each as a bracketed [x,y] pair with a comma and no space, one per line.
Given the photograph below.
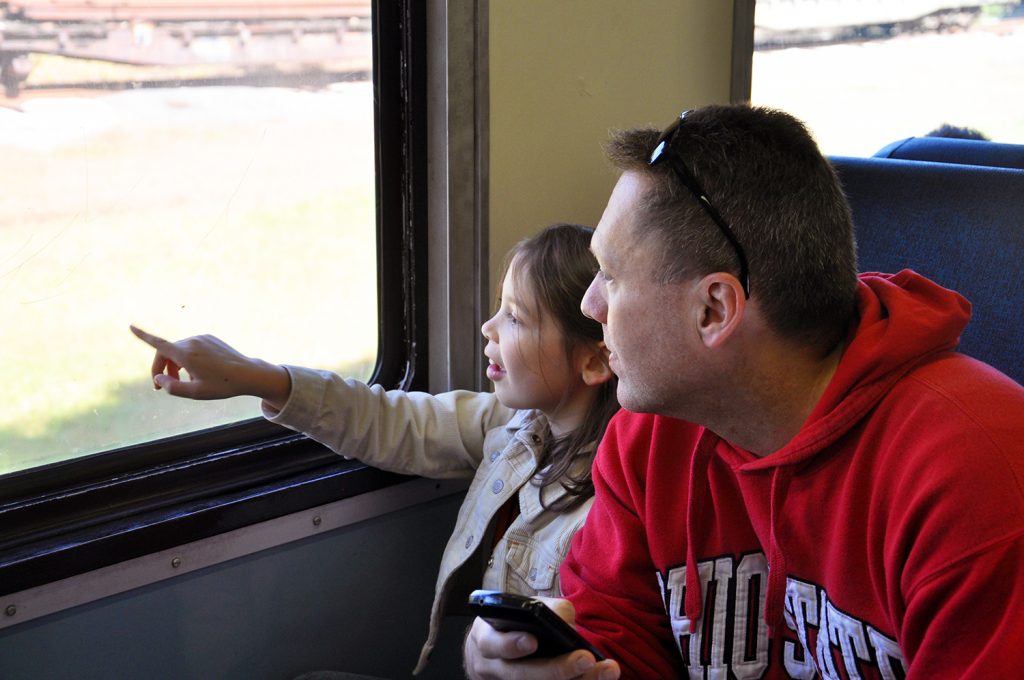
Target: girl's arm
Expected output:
[437,436]
[409,432]
[215,370]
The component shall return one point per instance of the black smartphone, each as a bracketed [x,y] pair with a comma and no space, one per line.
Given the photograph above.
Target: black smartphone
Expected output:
[508,612]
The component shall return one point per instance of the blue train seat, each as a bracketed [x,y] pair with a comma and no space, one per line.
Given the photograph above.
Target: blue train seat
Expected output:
[961,226]
[955,150]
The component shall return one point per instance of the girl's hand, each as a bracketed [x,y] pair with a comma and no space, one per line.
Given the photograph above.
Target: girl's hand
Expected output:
[215,370]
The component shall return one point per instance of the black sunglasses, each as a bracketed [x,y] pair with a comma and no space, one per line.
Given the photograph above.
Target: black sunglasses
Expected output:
[663,150]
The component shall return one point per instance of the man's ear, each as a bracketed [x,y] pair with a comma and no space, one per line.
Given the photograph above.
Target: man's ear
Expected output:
[723,305]
[592,361]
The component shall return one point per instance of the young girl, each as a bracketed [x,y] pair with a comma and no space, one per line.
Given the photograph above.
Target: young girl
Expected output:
[529,445]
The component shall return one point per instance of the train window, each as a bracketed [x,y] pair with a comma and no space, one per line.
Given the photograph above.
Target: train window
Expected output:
[201,167]
[864,73]
[272,193]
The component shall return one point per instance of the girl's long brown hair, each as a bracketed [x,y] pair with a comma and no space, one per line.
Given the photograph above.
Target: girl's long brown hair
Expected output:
[558,267]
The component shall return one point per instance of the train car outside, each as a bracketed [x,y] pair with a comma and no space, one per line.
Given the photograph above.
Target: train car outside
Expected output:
[245,33]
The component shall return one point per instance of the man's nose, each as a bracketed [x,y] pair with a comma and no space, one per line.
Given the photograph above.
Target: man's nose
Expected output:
[593,304]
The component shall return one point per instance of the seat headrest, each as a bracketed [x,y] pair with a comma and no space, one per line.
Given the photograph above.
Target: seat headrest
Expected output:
[961,226]
[955,150]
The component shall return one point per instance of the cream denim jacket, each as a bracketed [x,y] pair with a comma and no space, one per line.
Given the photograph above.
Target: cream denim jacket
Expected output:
[449,435]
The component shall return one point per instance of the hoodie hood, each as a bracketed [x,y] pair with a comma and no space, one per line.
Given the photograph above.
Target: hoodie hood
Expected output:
[903,320]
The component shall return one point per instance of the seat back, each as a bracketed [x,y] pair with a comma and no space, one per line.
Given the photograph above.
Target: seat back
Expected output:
[956,150]
[961,226]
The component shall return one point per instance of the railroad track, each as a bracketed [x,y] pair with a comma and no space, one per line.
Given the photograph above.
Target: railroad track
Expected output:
[313,79]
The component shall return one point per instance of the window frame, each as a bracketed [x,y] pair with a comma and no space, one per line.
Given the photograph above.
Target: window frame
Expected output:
[71,517]
[742,66]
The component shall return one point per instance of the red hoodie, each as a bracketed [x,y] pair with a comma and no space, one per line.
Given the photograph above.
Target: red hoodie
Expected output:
[886,540]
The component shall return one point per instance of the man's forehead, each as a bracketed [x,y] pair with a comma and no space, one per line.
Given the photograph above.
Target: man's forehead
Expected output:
[615,232]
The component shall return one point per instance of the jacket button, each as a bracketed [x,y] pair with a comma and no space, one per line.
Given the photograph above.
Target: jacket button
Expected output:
[490,561]
[469,540]
[533,573]
[494,455]
[497,486]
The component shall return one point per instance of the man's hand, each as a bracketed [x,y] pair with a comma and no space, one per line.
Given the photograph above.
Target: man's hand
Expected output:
[493,655]
[215,370]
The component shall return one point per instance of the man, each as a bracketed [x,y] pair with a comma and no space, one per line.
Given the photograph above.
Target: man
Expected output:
[822,487]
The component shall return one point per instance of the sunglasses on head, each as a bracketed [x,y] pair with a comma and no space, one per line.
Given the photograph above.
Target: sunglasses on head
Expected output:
[663,152]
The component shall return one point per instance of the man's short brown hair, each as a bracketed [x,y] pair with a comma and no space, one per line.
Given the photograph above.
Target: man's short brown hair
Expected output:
[764,173]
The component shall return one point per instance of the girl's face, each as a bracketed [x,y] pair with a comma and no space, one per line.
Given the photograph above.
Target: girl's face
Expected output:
[526,349]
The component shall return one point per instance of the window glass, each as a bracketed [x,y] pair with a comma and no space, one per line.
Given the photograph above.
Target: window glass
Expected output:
[209,168]
[864,73]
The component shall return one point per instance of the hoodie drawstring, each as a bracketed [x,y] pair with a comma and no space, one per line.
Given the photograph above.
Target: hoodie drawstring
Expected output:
[698,486]
[775,593]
